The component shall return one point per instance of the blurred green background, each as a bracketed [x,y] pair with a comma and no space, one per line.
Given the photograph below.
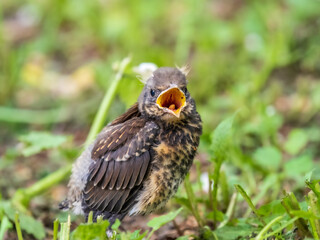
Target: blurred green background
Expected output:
[260,57]
[243,54]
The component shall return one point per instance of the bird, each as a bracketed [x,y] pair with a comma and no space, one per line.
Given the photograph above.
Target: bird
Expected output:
[137,162]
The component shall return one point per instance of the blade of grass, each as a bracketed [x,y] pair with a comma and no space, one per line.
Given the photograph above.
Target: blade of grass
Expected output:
[22,197]
[106,102]
[192,200]
[224,188]
[289,202]
[216,176]
[248,200]
[312,186]
[90,217]
[18,228]
[267,227]
[230,210]
[314,207]
[55,229]
[65,229]
[281,228]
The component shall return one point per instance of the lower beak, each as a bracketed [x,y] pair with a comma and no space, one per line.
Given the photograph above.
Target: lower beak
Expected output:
[172,100]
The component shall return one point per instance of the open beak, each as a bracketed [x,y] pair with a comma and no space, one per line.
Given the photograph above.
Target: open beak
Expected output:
[172,100]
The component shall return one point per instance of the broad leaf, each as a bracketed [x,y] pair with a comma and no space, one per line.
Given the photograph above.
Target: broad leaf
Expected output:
[297,140]
[96,231]
[35,142]
[268,158]
[221,138]
[241,231]
[27,223]
[298,166]
[273,208]
[158,222]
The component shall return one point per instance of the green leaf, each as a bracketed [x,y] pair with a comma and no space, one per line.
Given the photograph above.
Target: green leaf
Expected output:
[96,231]
[184,202]
[240,231]
[273,208]
[297,140]
[304,214]
[268,158]
[37,141]
[158,222]
[136,235]
[298,166]
[27,223]
[220,138]
[5,225]
[116,225]
[219,215]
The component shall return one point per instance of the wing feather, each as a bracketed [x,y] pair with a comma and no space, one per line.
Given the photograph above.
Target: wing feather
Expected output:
[121,162]
[101,172]
[144,167]
[108,175]
[116,171]
[121,177]
[128,175]
[136,171]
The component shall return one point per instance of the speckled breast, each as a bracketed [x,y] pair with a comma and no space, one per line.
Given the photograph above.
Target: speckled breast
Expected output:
[173,157]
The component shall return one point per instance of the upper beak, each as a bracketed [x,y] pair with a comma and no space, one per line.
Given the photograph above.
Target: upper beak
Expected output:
[172,100]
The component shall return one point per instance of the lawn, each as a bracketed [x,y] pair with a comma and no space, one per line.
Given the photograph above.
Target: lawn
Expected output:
[69,67]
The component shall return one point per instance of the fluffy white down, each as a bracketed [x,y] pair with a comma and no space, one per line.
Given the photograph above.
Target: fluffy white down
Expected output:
[78,179]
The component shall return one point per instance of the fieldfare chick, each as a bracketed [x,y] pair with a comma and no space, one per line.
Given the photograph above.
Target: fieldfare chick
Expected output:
[138,161]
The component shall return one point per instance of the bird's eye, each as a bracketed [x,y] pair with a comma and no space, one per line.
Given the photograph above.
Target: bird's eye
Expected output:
[152,92]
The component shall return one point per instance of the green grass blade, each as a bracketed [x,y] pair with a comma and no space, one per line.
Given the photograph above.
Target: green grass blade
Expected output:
[314,207]
[106,102]
[65,229]
[216,176]
[248,200]
[55,229]
[281,228]
[289,202]
[192,200]
[18,228]
[267,227]
[230,209]
[90,217]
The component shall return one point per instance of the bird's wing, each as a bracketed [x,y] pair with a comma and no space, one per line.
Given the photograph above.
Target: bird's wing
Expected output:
[121,159]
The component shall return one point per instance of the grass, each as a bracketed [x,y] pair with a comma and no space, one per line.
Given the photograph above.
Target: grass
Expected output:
[257,173]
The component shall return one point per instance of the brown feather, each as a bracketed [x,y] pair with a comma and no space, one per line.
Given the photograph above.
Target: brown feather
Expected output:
[118,206]
[108,175]
[136,171]
[101,172]
[121,177]
[145,158]
[121,154]
[128,175]
[116,171]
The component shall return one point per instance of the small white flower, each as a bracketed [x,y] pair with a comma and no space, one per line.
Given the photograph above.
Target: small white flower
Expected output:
[145,71]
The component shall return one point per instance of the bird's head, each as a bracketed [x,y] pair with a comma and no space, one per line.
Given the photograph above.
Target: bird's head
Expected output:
[165,96]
